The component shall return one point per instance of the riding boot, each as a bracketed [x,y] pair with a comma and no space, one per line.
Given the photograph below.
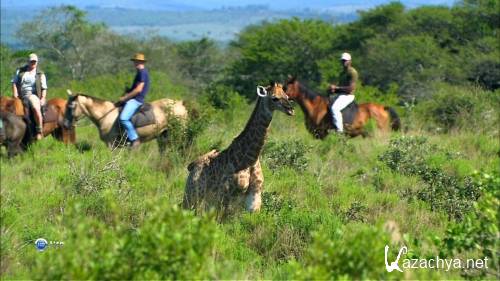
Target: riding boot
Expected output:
[135,144]
[39,132]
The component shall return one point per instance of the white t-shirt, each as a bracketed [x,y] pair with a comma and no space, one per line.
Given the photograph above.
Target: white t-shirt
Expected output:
[28,82]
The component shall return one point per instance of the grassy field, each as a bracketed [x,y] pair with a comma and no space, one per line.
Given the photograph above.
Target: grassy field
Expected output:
[329,207]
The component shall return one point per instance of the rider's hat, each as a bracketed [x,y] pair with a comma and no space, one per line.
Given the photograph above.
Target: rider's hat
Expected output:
[139,57]
[33,57]
[345,56]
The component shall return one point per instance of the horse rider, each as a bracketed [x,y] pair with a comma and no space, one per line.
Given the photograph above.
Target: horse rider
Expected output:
[30,84]
[345,88]
[134,98]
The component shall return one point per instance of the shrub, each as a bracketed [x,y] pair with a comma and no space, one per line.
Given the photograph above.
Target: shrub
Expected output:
[290,154]
[97,184]
[410,156]
[356,252]
[451,108]
[273,203]
[356,212]
[479,229]
[171,244]
[221,96]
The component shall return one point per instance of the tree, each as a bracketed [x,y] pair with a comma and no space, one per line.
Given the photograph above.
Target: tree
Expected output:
[411,61]
[271,51]
[66,37]
[201,61]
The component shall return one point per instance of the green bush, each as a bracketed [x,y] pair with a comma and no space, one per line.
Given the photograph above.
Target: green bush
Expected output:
[290,154]
[356,251]
[170,244]
[452,108]
[222,97]
[479,230]
[411,156]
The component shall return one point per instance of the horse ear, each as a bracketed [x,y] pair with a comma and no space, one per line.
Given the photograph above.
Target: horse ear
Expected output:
[261,91]
[69,92]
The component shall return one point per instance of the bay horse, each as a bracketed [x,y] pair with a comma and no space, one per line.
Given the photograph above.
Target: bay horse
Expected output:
[52,121]
[318,116]
[104,115]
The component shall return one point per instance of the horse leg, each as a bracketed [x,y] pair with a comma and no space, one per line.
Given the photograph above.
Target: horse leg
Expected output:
[72,135]
[58,134]
[67,136]
[162,140]
[13,148]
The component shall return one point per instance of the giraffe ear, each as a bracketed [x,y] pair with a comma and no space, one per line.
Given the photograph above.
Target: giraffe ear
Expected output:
[261,91]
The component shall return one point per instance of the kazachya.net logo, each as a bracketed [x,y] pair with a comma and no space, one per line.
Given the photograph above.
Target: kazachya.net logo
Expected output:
[431,263]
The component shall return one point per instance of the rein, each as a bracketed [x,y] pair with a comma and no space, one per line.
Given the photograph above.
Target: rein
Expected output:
[97,120]
[106,114]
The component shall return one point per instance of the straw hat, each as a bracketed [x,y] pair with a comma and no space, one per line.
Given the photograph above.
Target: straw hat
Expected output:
[138,57]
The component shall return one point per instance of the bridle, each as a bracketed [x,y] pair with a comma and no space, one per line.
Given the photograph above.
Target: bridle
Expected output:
[73,120]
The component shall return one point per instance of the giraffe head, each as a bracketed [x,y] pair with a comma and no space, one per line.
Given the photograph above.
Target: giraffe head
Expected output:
[276,98]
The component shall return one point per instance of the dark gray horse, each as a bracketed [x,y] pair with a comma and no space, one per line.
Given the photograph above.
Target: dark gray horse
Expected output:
[12,132]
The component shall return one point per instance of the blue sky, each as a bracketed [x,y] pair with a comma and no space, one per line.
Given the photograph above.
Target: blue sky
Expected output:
[339,5]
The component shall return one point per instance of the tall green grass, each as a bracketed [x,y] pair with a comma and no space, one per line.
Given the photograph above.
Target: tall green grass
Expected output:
[326,204]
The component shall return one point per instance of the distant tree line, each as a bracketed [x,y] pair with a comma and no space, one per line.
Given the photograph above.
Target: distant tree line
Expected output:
[392,47]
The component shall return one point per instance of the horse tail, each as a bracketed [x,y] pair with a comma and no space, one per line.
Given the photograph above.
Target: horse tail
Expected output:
[395,121]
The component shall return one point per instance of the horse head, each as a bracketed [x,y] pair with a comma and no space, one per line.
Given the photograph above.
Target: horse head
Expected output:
[292,87]
[73,110]
[276,97]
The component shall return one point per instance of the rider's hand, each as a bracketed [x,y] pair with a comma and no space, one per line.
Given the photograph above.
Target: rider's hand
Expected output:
[122,99]
[42,101]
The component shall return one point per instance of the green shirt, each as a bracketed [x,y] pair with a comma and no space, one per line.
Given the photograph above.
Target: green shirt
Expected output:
[348,76]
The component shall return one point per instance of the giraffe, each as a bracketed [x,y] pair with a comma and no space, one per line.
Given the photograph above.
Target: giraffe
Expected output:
[218,178]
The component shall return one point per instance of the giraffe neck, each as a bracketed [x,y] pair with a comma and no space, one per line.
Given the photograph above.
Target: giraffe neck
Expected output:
[247,146]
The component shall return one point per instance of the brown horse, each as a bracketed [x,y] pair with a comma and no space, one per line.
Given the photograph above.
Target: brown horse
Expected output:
[52,122]
[318,116]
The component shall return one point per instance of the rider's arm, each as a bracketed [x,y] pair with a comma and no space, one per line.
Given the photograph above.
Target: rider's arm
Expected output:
[346,89]
[137,90]
[15,94]
[14,81]
[44,88]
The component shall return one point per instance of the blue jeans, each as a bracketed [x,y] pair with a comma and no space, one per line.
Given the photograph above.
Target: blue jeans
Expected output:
[128,111]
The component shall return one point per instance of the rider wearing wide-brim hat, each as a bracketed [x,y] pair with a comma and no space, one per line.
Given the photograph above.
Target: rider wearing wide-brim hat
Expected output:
[134,98]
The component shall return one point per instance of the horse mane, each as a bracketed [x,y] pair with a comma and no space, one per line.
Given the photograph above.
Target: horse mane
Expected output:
[308,93]
[95,99]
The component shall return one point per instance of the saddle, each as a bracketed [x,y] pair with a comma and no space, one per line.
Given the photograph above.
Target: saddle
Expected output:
[143,116]
[49,113]
[348,113]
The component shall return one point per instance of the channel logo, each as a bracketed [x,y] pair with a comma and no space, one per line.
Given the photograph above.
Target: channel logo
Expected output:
[42,244]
